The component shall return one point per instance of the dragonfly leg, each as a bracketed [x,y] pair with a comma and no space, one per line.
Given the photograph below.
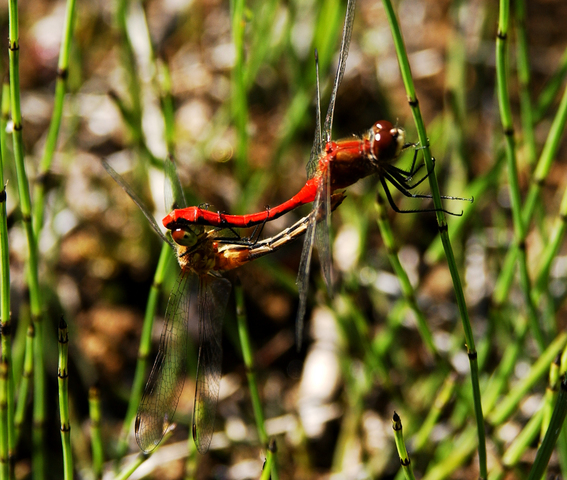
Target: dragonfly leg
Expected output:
[247,241]
[258,229]
[398,175]
[412,172]
[405,173]
[237,236]
[401,184]
[410,195]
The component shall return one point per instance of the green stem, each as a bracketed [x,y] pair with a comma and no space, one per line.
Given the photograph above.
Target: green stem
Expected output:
[555,426]
[406,286]
[4,431]
[500,379]
[63,383]
[507,405]
[462,446]
[144,349]
[520,227]
[526,106]
[239,102]
[130,469]
[443,229]
[167,106]
[541,172]
[401,447]
[96,437]
[39,408]
[550,396]
[27,375]
[270,463]
[547,96]
[53,133]
[248,356]
[523,440]
[5,311]
[441,400]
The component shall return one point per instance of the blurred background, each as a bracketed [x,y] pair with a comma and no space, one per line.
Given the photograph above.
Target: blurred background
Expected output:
[328,406]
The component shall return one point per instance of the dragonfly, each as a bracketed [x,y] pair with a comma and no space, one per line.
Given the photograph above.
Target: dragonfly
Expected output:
[332,166]
[203,256]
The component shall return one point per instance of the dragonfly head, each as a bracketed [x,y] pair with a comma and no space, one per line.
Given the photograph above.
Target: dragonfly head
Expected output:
[184,237]
[387,141]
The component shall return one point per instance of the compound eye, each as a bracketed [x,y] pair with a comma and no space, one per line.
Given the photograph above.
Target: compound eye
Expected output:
[384,135]
[186,238]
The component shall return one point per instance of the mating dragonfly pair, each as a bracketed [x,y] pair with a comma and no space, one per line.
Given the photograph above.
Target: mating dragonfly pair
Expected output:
[204,252]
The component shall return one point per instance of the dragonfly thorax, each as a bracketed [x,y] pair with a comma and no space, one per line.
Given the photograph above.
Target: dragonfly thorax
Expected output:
[200,260]
[195,252]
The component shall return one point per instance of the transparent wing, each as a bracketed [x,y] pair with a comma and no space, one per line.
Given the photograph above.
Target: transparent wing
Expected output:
[317,147]
[317,228]
[212,305]
[305,267]
[161,395]
[323,222]
[137,200]
[174,196]
[345,44]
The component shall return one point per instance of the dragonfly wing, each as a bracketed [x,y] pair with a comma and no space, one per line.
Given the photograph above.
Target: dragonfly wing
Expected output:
[161,395]
[317,147]
[136,199]
[345,43]
[323,220]
[305,267]
[212,305]
[174,196]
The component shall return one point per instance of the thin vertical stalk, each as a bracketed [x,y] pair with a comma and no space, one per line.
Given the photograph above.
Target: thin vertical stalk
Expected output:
[526,107]
[520,227]
[475,189]
[53,133]
[167,107]
[4,120]
[25,383]
[38,460]
[131,110]
[134,110]
[270,462]
[508,404]
[96,437]
[445,393]
[406,286]
[522,441]
[462,446]
[63,383]
[401,447]
[501,377]
[443,230]
[547,95]
[5,310]
[556,237]
[247,356]
[542,169]
[550,397]
[239,102]
[555,426]
[4,431]
[144,349]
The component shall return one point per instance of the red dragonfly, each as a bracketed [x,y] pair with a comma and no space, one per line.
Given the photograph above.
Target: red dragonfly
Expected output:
[333,165]
[202,256]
